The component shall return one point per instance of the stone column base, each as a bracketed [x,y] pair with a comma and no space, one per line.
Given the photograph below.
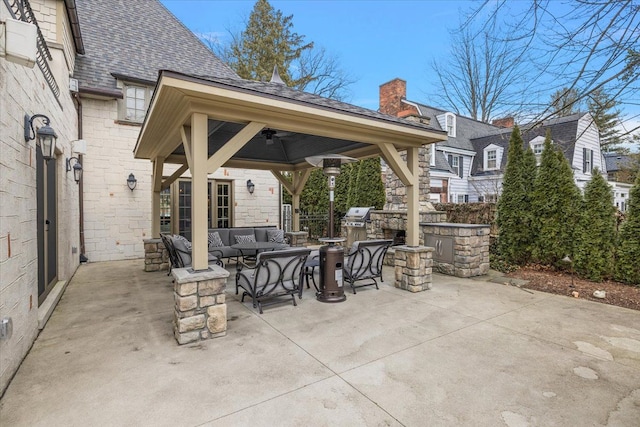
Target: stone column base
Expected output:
[201,309]
[413,268]
[297,238]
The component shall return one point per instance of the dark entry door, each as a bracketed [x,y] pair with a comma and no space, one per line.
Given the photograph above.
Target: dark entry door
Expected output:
[47,224]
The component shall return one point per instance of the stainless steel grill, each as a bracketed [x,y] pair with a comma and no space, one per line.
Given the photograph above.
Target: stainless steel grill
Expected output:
[356,224]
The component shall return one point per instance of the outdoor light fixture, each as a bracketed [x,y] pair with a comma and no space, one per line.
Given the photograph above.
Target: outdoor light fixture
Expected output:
[250,186]
[268,135]
[46,135]
[77,168]
[132,182]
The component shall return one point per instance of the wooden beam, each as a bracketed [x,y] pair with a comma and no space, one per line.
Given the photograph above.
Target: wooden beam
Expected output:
[221,156]
[185,133]
[177,174]
[393,159]
[158,164]
[300,178]
[288,185]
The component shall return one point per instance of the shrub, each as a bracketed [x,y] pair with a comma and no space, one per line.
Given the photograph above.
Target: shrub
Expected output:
[628,250]
[595,237]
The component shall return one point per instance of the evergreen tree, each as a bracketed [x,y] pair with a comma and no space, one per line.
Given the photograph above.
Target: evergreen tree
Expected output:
[555,206]
[628,251]
[605,115]
[315,196]
[595,237]
[341,203]
[513,209]
[565,102]
[267,41]
[369,185]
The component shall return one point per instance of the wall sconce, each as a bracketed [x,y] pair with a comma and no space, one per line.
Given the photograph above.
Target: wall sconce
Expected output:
[132,182]
[46,135]
[77,168]
[250,186]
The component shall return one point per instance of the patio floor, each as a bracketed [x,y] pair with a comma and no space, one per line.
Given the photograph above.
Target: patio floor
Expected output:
[467,352]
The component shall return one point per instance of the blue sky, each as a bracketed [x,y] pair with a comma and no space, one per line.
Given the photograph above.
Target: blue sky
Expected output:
[375,41]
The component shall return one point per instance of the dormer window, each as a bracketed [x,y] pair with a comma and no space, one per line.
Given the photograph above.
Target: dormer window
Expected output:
[450,120]
[492,157]
[537,145]
[133,106]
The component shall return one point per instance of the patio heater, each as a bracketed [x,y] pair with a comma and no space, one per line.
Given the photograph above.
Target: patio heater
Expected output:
[331,255]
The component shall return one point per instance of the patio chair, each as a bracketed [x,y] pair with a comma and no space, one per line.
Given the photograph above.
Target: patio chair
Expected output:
[275,274]
[181,257]
[364,262]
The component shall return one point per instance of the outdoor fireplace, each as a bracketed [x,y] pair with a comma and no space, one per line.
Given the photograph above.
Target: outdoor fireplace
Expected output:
[398,236]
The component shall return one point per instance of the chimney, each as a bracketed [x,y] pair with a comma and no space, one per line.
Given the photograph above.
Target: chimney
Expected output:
[505,122]
[391,95]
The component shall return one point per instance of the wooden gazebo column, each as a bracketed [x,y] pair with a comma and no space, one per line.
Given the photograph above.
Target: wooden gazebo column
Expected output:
[294,187]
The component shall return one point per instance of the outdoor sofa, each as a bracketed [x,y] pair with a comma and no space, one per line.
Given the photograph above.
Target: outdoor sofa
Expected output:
[221,240]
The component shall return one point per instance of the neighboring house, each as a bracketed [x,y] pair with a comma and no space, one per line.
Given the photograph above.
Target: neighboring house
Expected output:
[618,166]
[113,52]
[469,166]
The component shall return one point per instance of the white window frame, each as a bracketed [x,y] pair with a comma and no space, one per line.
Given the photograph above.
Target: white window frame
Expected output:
[122,104]
[494,159]
[587,160]
[450,124]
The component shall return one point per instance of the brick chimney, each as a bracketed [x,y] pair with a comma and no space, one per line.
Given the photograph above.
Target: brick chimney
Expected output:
[505,122]
[391,95]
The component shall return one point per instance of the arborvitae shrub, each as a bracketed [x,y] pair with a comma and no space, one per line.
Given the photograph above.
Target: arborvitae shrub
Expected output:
[628,251]
[596,231]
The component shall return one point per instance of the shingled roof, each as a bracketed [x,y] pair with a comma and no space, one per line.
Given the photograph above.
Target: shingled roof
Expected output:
[466,128]
[564,131]
[137,39]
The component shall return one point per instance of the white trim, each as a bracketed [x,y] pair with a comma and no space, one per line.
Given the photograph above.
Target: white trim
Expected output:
[413,104]
[451,150]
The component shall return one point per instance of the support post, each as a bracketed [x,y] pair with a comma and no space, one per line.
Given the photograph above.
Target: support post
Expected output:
[413,199]
[199,212]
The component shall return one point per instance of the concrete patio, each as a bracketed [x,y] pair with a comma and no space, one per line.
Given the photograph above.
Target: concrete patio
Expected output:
[467,352]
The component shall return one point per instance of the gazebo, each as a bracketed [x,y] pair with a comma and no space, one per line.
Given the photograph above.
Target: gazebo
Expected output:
[203,124]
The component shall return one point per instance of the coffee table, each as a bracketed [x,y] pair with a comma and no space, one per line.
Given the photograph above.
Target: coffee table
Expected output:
[257,247]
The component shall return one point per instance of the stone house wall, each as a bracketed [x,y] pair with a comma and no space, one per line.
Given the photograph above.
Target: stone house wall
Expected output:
[25,91]
[118,220]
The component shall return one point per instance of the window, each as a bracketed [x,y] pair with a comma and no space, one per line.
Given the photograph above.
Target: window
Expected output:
[133,106]
[491,159]
[587,160]
[463,198]
[450,121]
[537,149]
[457,164]
[492,197]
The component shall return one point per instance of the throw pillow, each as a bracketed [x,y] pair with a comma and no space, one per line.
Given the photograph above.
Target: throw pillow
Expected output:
[187,243]
[275,236]
[215,240]
[248,238]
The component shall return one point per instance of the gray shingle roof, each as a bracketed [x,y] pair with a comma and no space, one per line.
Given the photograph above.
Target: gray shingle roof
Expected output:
[563,133]
[281,91]
[466,128]
[137,39]
[616,162]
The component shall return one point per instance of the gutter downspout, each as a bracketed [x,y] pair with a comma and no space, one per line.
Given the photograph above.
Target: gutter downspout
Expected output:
[83,257]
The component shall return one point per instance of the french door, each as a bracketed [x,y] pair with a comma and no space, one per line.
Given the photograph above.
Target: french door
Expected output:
[219,202]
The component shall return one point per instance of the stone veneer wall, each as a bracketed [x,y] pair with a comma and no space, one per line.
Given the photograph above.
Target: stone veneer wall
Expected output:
[200,304]
[156,256]
[23,91]
[470,248]
[397,220]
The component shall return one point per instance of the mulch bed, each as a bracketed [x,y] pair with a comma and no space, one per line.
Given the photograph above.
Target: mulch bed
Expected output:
[546,280]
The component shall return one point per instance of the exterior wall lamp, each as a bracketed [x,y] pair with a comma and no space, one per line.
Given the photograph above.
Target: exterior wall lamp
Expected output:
[46,135]
[250,186]
[77,168]
[132,182]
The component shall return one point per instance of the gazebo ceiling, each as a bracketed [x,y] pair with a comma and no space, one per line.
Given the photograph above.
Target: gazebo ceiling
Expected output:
[304,124]
[284,148]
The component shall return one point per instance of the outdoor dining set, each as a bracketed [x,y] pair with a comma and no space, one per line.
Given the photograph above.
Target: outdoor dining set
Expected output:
[270,271]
